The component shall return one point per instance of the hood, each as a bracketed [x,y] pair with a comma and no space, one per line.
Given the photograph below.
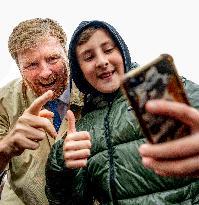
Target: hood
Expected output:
[76,73]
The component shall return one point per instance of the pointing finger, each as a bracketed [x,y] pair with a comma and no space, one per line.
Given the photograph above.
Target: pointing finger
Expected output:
[37,105]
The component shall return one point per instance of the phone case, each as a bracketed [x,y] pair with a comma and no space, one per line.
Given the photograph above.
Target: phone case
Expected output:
[156,80]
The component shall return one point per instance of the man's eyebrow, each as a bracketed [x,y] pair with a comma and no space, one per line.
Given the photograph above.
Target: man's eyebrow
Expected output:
[54,54]
[29,60]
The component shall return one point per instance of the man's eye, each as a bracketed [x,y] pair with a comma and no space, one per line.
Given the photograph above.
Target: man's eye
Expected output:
[53,60]
[31,66]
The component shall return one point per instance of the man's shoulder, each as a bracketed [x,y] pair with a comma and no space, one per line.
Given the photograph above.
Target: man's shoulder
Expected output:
[11,99]
[10,105]
[12,88]
[76,98]
[76,101]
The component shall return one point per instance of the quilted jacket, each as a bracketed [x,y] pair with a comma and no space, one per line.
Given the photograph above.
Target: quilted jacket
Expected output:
[114,174]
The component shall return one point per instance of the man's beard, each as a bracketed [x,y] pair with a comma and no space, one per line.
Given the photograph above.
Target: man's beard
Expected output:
[60,85]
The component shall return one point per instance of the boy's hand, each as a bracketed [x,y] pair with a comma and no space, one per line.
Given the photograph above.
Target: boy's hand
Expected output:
[179,157]
[76,145]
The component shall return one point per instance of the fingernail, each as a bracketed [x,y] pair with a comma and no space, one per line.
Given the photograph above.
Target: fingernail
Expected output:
[146,162]
[160,173]
[151,104]
[142,148]
[50,93]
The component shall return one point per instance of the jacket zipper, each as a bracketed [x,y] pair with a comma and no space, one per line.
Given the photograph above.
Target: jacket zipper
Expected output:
[110,154]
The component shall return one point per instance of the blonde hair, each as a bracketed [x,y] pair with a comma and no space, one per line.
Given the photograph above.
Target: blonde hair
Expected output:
[28,33]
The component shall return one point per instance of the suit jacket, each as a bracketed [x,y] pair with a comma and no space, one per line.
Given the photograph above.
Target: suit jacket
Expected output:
[26,177]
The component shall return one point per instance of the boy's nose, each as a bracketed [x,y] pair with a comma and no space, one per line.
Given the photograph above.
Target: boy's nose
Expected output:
[102,61]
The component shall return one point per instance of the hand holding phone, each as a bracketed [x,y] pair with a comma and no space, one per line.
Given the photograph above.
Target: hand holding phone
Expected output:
[156,80]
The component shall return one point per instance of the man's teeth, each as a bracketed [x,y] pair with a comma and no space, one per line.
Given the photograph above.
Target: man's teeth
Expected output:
[48,82]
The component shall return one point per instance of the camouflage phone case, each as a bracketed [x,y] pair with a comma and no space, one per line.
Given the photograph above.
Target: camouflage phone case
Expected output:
[156,80]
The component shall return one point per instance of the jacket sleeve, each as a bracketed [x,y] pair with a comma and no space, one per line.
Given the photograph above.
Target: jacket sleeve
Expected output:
[62,187]
[58,177]
[192,90]
[4,124]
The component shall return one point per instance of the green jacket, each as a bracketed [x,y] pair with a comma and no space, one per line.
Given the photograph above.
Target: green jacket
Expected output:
[114,173]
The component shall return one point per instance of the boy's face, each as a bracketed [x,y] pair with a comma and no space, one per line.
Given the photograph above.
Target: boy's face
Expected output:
[101,62]
[45,67]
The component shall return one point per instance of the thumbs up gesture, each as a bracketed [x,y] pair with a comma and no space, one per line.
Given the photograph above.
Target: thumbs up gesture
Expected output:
[76,145]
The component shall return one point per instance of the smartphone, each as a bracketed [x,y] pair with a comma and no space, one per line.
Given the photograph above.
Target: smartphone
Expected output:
[157,80]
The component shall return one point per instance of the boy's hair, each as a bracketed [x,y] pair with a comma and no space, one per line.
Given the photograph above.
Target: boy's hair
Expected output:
[85,35]
[28,33]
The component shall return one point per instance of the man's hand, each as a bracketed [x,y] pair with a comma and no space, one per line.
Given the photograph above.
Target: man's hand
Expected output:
[76,145]
[178,157]
[30,128]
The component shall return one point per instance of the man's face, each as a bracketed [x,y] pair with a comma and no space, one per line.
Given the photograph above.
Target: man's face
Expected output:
[44,67]
[101,62]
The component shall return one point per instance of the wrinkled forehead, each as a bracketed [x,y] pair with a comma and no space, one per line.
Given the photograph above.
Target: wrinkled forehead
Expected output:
[42,46]
[47,43]
[36,42]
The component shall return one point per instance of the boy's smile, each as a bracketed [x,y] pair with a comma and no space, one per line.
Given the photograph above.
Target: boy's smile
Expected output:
[101,62]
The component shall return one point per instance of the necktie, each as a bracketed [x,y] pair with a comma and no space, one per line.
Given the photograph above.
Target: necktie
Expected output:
[53,106]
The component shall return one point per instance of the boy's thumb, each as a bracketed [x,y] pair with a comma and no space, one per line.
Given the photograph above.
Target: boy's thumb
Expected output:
[71,122]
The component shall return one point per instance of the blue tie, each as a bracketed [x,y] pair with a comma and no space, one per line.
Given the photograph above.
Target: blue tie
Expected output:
[53,105]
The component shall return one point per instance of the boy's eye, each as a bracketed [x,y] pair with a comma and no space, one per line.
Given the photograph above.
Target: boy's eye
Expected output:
[88,57]
[108,50]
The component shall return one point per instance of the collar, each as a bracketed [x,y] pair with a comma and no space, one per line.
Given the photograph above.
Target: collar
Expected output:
[65,96]
[102,100]
[70,96]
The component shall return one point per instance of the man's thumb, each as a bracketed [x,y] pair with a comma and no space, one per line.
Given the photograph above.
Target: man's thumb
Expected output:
[47,114]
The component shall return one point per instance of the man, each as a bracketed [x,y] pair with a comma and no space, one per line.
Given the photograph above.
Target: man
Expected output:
[26,135]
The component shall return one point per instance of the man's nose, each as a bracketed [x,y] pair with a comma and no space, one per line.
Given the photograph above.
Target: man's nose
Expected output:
[45,70]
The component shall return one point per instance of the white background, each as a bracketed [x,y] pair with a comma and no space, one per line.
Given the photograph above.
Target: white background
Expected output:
[149,27]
